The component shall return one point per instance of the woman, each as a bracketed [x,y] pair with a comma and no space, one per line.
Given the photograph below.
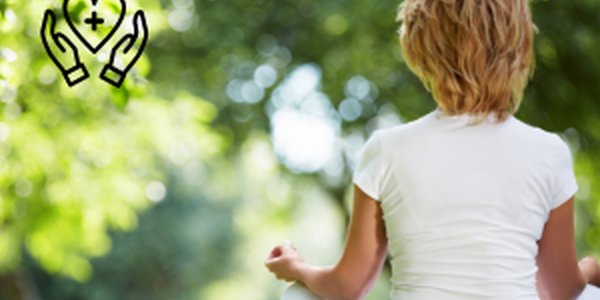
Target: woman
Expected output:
[470,202]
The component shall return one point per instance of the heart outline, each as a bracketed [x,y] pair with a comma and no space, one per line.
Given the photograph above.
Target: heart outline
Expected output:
[94,50]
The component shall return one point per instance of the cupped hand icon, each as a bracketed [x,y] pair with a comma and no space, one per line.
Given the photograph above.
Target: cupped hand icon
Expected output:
[115,71]
[69,63]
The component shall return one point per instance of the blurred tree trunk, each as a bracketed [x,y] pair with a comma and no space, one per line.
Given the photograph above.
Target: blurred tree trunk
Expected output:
[18,286]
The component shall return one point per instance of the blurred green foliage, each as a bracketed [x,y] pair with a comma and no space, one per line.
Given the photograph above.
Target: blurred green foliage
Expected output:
[78,166]
[180,245]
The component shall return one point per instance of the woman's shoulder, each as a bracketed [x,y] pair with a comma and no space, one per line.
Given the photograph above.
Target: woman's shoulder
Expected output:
[513,131]
[536,135]
[405,128]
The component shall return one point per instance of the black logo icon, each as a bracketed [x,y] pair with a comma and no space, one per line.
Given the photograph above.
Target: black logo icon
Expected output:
[94,21]
[113,74]
[65,54]
[73,71]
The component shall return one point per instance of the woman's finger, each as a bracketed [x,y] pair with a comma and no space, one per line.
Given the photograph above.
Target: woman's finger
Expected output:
[270,261]
[289,244]
[276,252]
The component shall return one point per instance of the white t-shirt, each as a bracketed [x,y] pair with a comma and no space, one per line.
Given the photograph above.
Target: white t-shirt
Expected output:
[464,205]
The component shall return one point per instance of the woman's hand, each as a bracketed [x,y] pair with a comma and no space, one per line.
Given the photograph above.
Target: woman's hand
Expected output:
[284,261]
[353,276]
[591,270]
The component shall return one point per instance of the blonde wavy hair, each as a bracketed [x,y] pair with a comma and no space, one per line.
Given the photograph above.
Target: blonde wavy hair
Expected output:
[475,56]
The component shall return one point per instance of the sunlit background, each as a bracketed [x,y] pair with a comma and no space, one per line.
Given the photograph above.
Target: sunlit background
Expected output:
[239,128]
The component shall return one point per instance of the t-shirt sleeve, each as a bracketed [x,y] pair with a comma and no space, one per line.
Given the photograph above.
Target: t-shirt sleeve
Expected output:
[565,184]
[367,175]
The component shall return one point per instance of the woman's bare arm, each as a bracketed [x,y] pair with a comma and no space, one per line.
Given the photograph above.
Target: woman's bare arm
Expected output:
[559,276]
[356,272]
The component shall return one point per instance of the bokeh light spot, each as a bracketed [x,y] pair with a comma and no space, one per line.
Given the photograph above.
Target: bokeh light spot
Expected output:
[336,24]
[350,109]
[265,76]
[4,131]
[156,191]
[23,187]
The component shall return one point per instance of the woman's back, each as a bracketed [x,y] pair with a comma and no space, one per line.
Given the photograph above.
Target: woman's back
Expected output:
[467,211]
[465,204]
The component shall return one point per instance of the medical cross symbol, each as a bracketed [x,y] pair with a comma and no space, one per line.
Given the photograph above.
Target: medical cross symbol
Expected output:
[94,21]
